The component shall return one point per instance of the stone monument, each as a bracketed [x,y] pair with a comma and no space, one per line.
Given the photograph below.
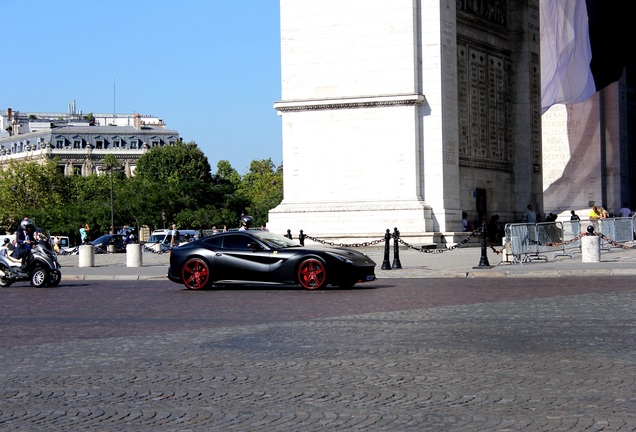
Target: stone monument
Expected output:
[406,113]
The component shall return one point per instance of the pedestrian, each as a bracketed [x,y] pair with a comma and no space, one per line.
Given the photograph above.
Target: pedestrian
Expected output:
[83,231]
[174,241]
[595,213]
[493,230]
[574,216]
[530,216]
[625,211]
[8,245]
[464,221]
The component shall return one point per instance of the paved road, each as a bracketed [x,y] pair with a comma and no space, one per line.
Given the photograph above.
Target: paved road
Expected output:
[407,354]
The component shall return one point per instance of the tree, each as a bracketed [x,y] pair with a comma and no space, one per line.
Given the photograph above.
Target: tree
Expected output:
[175,178]
[262,187]
[33,189]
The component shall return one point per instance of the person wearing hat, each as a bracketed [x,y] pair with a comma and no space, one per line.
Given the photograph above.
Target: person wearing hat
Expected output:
[7,244]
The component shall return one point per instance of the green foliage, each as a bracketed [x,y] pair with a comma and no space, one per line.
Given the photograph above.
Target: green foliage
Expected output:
[26,189]
[172,184]
[262,187]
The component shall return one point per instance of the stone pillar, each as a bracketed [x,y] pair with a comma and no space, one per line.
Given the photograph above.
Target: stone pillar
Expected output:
[134,257]
[590,248]
[86,256]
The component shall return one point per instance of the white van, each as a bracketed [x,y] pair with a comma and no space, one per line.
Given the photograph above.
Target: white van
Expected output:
[163,237]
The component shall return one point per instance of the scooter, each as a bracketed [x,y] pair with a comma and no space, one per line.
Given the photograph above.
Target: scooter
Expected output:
[42,269]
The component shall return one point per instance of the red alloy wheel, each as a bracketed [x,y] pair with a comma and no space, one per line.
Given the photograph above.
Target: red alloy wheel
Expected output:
[312,274]
[195,274]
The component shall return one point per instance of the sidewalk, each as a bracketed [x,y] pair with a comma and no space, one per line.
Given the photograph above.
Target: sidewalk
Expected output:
[460,263]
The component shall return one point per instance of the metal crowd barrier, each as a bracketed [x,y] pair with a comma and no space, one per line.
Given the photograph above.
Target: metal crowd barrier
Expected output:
[526,242]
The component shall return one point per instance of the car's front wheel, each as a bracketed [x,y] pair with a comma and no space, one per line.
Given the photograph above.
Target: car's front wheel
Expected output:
[196,274]
[312,274]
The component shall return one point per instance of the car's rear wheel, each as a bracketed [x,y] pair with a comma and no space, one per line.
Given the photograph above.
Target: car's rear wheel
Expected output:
[196,274]
[312,274]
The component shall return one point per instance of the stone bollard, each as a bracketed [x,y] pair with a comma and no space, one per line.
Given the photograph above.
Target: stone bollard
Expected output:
[157,247]
[86,256]
[134,257]
[111,248]
[590,248]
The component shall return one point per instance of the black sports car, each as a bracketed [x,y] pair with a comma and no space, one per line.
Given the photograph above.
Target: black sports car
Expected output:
[264,257]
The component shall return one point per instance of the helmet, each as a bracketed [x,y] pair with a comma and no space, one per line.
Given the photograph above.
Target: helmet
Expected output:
[27,224]
[246,221]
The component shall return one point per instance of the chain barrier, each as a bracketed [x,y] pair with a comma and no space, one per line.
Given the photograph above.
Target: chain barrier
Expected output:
[351,245]
[463,242]
[439,251]
[381,240]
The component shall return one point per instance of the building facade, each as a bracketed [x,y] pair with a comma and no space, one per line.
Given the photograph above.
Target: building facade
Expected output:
[81,142]
[406,113]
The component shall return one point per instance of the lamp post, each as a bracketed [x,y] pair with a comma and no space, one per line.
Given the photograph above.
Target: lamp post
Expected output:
[111,162]
[112,207]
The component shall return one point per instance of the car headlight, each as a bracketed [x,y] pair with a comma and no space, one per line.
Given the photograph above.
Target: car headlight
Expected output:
[340,258]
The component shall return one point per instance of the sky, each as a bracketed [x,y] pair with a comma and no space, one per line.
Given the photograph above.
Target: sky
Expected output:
[209,68]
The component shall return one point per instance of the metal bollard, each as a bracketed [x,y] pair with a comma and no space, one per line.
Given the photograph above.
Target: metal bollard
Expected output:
[301,238]
[483,261]
[396,250]
[386,265]
[289,236]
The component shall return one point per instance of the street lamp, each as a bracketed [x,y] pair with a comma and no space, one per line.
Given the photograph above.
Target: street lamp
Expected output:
[112,207]
[110,163]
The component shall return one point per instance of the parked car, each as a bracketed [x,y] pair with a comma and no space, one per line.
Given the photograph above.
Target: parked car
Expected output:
[164,238]
[116,240]
[264,257]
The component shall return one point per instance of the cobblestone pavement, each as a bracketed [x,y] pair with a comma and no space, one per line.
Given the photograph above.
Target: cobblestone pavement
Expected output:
[401,355]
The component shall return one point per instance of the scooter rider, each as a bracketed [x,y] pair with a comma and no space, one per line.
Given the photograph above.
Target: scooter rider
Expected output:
[25,235]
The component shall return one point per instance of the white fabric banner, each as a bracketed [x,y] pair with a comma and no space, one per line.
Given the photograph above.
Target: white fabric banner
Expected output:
[565,53]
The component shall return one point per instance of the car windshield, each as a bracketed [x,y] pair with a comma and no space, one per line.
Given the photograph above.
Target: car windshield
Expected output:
[274,241]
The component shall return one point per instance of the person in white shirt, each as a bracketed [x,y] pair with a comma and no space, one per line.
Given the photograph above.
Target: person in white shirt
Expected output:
[531,216]
[624,211]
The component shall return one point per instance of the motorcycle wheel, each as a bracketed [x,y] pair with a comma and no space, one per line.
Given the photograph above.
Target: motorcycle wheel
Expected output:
[39,277]
[55,278]
[5,283]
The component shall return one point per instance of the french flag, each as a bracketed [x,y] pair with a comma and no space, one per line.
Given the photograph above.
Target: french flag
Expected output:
[580,52]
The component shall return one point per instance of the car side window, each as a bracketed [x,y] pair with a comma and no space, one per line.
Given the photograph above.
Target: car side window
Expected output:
[237,242]
[214,242]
